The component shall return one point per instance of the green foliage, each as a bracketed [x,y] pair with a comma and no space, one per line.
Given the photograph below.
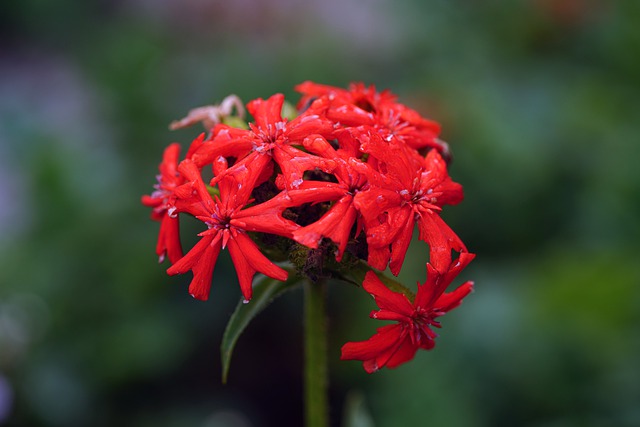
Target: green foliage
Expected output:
[265,290]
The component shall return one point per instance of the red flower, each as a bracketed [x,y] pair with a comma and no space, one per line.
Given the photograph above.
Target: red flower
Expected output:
[169,237]
[355,106]
[337,223]
[395,344]
[364,106]
[228,221]
[162,199]
[404,189]
[271,135]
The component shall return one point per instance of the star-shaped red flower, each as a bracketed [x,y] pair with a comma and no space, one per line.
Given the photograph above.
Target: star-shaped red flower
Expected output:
[393,345]
[270,135]
[405,189]
[228,220]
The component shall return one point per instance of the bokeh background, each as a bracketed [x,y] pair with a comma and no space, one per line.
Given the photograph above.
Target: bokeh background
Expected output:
[539,100]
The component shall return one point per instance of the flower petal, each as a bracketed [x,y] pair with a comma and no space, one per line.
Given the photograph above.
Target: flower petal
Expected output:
[266,217]
[386,298]
[385,338]
[295,162]
[267,112]
[378,258]
[169,239]
[336,224]
[441,239]
[201,259]
[450,300]
[405,352]
[438,281]
[400,245]
[248,260]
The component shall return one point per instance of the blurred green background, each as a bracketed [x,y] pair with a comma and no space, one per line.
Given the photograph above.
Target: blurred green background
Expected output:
[539,100]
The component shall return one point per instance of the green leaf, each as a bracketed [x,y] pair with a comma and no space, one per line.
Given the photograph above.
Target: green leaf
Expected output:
[265,290]
[356,413]
[213,191]
[235,122]
[289,111]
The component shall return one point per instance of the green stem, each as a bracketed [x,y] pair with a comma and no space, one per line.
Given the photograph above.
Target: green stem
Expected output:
[315,368]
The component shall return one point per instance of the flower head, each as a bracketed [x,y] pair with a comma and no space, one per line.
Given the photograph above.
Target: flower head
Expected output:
[354,167]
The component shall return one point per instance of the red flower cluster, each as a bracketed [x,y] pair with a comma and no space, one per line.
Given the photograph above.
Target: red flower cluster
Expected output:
[354,168]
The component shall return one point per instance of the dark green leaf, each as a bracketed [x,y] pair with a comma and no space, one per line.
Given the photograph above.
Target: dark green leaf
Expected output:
[265,290]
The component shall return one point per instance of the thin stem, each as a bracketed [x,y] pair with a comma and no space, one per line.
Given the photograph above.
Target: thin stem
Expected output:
[315,338]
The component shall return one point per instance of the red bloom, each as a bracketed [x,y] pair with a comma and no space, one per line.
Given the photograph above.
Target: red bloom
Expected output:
[169,237]
[162,200]
[353,165]
[337,223]
[404,190]
[352,107]
[395,344]
[228,221]
[364,106]
[271,135]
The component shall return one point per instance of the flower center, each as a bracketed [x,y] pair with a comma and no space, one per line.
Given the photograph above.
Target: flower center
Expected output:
[219,223]
[271,134]
[422,321]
